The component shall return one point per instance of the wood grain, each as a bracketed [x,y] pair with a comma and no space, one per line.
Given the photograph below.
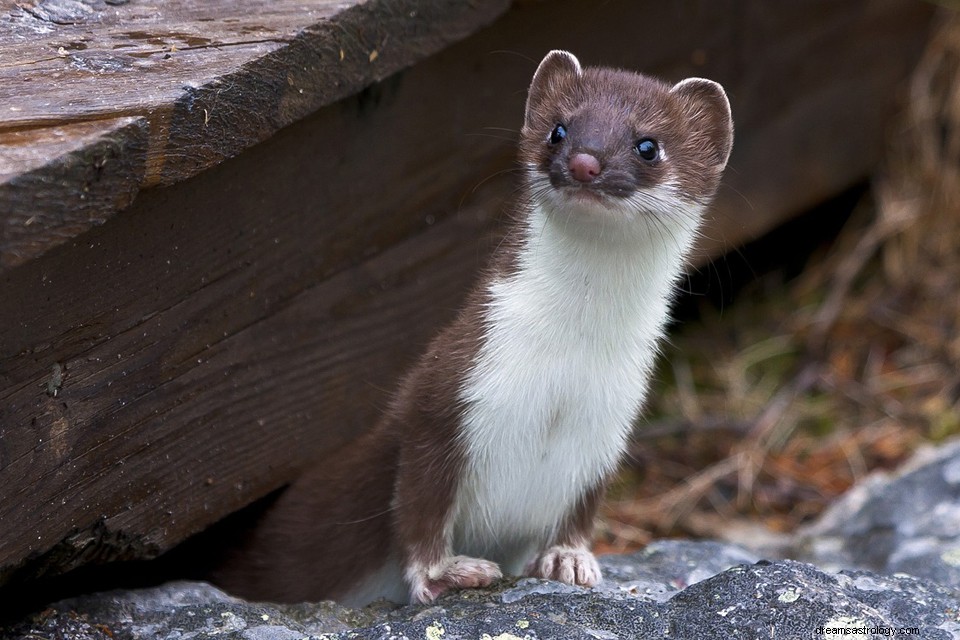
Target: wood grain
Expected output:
[95,171]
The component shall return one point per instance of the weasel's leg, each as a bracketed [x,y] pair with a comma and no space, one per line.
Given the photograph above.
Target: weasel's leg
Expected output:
[423,516]
[569,558]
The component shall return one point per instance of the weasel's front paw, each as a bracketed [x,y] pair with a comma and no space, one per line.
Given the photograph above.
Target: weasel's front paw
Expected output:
[456,572]
[573,565]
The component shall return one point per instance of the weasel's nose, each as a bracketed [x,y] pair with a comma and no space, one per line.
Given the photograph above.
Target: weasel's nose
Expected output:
[584,167]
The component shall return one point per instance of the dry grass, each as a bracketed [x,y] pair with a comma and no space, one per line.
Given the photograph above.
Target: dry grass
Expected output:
[769,412]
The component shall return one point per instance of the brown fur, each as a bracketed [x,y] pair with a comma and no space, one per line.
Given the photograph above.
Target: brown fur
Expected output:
[577,527]
[431,458]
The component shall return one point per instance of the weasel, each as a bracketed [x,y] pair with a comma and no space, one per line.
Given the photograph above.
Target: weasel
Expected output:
[496,448]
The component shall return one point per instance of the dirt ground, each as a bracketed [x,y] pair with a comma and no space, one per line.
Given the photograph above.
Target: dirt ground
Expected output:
[770,406]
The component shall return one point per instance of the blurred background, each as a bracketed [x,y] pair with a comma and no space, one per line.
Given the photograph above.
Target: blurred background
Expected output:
[803,362]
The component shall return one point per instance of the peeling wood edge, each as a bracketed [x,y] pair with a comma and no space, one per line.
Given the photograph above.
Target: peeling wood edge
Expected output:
[73,192]
[324,63]
[97,543]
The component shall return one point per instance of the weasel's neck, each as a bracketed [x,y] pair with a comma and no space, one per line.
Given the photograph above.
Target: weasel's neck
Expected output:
[585,292]
[604,267]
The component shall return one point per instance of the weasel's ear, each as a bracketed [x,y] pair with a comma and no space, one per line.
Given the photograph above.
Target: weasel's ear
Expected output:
[708,111]
[555,67]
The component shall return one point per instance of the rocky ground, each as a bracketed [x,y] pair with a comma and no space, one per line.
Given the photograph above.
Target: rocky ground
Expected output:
[883,561]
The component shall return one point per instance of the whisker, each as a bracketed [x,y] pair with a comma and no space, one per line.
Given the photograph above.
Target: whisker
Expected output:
[489,135]
[493,175]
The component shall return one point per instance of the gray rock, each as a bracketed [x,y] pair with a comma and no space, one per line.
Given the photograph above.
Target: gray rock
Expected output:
[788,599]
[882,530]
[907,522]
[667,566]
[183,611]
[662,592]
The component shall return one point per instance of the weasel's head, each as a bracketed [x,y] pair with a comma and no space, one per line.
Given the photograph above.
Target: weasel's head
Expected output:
[606,142]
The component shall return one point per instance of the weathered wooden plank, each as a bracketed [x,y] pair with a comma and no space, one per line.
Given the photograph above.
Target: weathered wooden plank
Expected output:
[208,78]
[195,352]
[96,170]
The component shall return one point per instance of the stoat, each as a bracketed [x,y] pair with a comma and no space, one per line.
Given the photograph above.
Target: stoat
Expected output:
[496,448]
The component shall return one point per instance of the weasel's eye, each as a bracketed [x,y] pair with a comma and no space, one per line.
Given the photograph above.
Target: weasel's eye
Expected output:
[558,134]
[648,149]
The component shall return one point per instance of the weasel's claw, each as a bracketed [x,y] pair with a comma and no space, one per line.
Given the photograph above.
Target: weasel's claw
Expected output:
[573,565]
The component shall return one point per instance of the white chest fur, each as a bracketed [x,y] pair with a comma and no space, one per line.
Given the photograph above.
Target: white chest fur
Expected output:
[569,344]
